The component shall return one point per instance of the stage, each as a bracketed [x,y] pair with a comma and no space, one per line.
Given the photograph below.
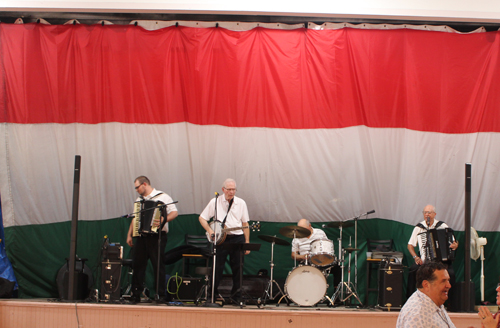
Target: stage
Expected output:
[44,313]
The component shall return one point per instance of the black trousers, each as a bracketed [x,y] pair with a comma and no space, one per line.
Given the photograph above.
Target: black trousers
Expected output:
[146,248]
[234,261]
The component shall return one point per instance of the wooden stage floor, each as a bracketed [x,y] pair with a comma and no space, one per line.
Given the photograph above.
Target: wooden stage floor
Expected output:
[51,314]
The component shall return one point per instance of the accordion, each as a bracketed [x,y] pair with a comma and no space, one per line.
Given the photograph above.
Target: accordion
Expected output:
[145,213]
[438,243]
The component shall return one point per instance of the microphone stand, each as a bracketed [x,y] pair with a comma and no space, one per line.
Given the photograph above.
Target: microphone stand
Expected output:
[214,259]
[160,255]
[356,246]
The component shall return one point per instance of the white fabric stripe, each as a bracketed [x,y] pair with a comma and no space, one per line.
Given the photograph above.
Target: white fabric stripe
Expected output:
[283,175]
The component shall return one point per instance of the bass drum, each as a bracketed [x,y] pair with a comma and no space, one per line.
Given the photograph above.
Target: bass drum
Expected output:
[306,285]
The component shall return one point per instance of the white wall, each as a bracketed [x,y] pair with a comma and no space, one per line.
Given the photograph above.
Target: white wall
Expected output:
[444,10]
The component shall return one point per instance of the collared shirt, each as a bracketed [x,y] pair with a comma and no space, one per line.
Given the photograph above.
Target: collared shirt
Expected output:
[236,216]
[421,312]
[163,198]
[303,245]
[416,236]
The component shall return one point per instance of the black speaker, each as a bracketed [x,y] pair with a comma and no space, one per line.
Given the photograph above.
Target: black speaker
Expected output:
[110,281]
[254,285]
[184,289]
[83,280]
[457,298]
[390,287]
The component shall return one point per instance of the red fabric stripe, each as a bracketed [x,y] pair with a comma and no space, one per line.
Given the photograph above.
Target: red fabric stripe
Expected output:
[428,81]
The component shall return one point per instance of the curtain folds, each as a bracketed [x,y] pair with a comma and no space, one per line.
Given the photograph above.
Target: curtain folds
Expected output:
[316,123]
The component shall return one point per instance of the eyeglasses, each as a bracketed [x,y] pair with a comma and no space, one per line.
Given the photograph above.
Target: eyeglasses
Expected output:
[138,186]
[428,212]
[230,189]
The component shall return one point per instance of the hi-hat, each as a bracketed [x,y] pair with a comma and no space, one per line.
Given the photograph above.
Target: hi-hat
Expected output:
[351,249]
[295,231]
[274,239]
[337,224]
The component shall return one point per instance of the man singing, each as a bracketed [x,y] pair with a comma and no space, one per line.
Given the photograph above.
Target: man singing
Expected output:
[233,212]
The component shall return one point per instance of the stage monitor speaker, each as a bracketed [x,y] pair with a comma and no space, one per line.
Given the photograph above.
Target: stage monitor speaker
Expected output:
[110,281]
[188,288]
[390,292]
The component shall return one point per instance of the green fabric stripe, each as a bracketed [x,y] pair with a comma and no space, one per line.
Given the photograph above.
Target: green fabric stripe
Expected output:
[37,252]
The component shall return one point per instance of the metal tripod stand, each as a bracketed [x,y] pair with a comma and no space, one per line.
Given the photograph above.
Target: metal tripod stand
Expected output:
[350,289]
[268,294]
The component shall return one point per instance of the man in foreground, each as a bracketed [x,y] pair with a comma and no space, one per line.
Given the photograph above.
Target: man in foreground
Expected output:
[424,309]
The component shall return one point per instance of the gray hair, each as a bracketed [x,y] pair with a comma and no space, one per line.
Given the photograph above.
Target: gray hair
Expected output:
[433,207]
[228,180]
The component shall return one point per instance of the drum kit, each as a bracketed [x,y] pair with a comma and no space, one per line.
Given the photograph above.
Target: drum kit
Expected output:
[306,284]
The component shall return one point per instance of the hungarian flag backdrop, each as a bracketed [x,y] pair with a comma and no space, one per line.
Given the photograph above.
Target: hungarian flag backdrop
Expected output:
[320,124]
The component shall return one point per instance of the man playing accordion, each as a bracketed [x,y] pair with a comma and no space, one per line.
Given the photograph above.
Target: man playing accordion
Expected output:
[420,237]
[145,245]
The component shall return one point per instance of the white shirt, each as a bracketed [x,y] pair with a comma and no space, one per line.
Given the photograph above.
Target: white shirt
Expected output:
[163,198]
[416,236]
[421,312]
[237,215]
[303,245]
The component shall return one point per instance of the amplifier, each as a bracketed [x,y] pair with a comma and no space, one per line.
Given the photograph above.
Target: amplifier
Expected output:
[110,281]
[390,293]
[188,288]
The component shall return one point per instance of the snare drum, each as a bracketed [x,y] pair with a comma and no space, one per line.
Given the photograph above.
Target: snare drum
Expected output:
[306,285]
[322,253]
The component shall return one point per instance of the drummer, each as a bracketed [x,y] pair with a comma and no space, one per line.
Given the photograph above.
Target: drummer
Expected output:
[301,247]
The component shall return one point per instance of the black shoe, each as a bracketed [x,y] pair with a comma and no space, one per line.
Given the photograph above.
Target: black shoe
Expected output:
[161,300]
[135,299]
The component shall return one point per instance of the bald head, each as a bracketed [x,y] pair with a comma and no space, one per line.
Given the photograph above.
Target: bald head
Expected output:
[304,223]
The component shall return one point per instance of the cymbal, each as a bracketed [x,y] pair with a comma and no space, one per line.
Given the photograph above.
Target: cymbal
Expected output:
[351,249]
[300,232]
[337,224]
[274,239]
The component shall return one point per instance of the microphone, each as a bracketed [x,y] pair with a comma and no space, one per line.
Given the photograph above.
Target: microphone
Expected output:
[216,194]
[323,226]
[367,213]
[427,220]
